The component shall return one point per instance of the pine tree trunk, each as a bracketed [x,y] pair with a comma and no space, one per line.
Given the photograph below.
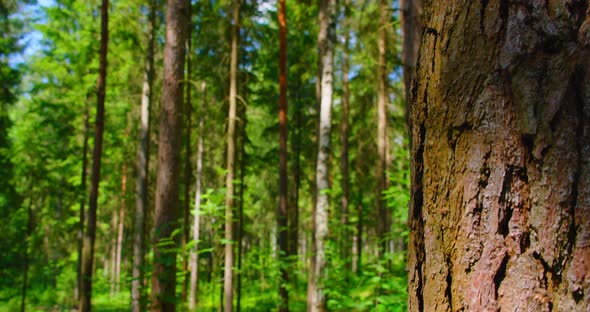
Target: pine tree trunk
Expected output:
[384,216]
[29,232]
[90,234]
[241,207]
[121,228]
[141,205]
[411,20]
[317,298]
[187,157]
[166,215]
[231,153]
[344,133]
[194,265]
[500,124]
[283,208]
[82,212]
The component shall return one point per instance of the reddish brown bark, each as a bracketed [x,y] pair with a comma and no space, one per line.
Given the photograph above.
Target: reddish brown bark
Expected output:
[166,215]
[500,124]
[283,208]
[90,234]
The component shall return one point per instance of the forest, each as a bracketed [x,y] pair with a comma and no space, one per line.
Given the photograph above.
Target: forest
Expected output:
[294,155]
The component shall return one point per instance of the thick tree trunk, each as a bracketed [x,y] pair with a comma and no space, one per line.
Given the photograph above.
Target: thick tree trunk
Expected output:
[82,211]
[120,229]
[317,298]
[344,133]
[283,208]
[384,222]
[411,21]
[500,123]
[90,234]
[167,201]
[231,153]
[194,265]
[141,204]
[187,156]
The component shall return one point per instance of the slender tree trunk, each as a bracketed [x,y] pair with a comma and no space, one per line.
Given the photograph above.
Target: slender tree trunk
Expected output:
[241,207]
[344,133]
[187,160]
[384,216]
[141,204]
[194,265]
[411,20]
[231,153]
[82,212]
[500,123]
[90,234]
[113,251]
[317,300]
[166,218]
[29,232]
[121,228]
[282,211]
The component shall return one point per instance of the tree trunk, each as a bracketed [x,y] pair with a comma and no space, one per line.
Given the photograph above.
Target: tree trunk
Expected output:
[166,216]
[241,206]
[82,212]
[317,299]
[187,157]
[282,211]
[29,232]
[120,230]
[411,20]
[231,154]
[344,133]
[141,205]
[194,265]
[500,123]
[90,234]
[384,216]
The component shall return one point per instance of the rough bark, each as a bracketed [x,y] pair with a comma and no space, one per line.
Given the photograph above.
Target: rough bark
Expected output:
[411,21]
[167,201]
[187,155]
[90,234]
[194,265]
[141,203]
[283,207]
[500,124]
[317,297]
[231,154]
[384,216]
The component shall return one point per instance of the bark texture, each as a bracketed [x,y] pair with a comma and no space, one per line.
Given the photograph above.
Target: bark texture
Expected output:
[411,21]
[316,294]
[231,155]
[166,215]
[90,234]
[283,208]
[141,202]
[500,124]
